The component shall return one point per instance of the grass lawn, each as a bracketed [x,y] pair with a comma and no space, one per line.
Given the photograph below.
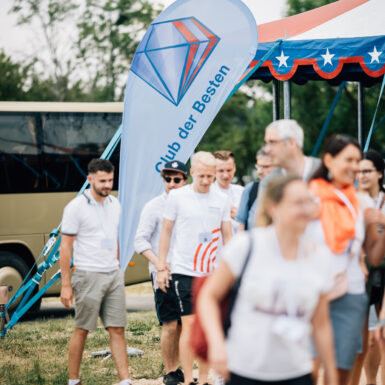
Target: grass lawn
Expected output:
[35,352]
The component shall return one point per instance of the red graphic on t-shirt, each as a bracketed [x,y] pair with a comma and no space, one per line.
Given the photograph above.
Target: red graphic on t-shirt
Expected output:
[206,254]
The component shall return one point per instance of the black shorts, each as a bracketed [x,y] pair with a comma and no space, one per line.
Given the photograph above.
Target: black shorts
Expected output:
[183,289]
[238,380]
[166,305]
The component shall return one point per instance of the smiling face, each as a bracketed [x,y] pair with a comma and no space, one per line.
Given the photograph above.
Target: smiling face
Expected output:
[367,175]
[225,170]
[203,176]
[101,183]
[343,166]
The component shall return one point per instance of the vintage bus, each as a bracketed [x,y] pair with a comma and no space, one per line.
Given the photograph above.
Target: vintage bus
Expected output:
[44,152]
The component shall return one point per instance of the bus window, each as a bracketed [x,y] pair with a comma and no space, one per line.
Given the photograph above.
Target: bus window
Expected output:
[49,151]
[20,162]
[71,140]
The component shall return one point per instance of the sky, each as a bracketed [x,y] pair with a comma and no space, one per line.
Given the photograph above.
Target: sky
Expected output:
[22,41]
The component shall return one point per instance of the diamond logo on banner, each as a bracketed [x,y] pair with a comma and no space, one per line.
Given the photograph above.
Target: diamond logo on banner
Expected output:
[171,54]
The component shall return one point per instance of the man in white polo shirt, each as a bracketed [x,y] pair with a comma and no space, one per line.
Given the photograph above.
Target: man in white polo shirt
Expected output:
[195,215]
[147,237]
[225,171]
[90,227]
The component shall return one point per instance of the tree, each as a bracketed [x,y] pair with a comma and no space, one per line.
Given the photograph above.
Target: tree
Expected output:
[239,127]
[109,34]
[57,67]
[94,65]
[12,77]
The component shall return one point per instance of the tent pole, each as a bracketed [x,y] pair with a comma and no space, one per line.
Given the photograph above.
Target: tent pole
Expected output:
[286,99]
[361,113]
[275,99]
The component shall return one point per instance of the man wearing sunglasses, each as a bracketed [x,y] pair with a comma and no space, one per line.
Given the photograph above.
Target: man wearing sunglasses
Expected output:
[147,237]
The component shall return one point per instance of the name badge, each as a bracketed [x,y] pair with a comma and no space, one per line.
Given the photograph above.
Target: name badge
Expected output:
[205,237]
[107,243]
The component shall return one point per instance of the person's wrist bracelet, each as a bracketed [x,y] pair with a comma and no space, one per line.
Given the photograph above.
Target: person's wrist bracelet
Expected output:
[160,270]
[381,323]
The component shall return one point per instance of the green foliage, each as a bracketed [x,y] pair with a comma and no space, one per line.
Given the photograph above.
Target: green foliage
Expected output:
[109,32]
[239,127]
[12,77]
[299,6]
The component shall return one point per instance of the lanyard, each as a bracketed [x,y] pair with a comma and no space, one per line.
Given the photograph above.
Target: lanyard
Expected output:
[307,169]
[347,202]
[379,200]
[355,244]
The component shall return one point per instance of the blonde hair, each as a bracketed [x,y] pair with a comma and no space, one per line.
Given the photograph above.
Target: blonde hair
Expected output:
[274,193]
[204,157]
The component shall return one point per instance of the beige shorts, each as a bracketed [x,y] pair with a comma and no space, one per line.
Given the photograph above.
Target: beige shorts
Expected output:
[99,294]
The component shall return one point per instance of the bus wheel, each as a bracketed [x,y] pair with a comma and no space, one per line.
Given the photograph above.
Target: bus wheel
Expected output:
[13,270]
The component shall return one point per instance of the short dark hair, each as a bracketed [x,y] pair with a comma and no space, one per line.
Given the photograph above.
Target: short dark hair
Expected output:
[224,155]
[378,164]
[334,146]
[100,165]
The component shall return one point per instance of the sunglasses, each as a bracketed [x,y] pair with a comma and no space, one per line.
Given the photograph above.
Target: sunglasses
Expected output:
[176,179]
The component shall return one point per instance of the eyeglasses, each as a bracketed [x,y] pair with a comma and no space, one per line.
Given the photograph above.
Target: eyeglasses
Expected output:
[176,179]
[366,172]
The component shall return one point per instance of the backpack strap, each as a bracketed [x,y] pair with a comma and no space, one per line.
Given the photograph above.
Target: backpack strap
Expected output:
[252,197]
[237,284]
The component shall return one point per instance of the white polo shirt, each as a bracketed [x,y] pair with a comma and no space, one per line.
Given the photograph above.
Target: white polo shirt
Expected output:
[197,226]
[95,226]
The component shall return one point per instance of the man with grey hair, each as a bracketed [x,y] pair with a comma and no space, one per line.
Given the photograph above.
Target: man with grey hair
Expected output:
[284,143]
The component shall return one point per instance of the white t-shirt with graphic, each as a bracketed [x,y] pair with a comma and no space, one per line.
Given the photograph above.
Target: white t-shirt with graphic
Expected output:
[197,224]
[269,338]
[234,192]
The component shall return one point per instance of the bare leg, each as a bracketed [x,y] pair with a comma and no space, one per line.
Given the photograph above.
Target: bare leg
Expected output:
[203,371]
[119,352]
[75,352]
[315,372]
[186,353]
[344,376]
[372,360]
[169,342]
[382,366]
[360,358]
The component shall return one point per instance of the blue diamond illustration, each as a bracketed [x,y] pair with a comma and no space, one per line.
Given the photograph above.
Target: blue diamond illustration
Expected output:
[171,54]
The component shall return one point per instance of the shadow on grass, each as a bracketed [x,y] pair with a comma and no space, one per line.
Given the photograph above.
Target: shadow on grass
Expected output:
[47,313]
